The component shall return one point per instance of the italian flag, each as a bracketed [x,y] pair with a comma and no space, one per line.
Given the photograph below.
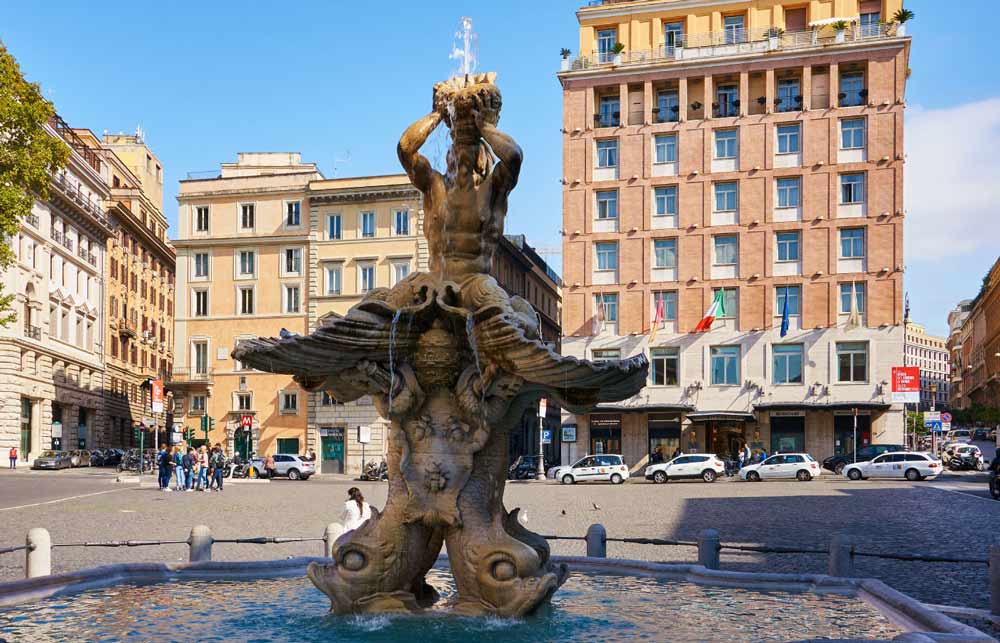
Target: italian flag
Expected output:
[717,308]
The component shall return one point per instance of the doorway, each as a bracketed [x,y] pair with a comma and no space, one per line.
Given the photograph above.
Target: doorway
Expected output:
[843,433]
[25,427]
[664,436]
[725,438]
[243,443]
[332,450]
[605,434]
[788,434]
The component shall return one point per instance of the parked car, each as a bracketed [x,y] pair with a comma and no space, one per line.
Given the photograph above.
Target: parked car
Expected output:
[907,464]
[52,460]
[800,466]
[605,467]
[292,467]
[80,458]
[981,434]
[960,435]
[112,457]
[525,467]
[837,463]
[706,466]
[97,458]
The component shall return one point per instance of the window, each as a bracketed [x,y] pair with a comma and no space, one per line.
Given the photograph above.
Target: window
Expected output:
[789,190]
[852,243]
[200,357]
[665,364]
[246,300]
[366,276]
[288,446]
[247,262]
[852,134]
[293,214]
[791,294]
[669,299]
[726,250]
[730,299]
[845,297]
[602,356]
[665,253]
[789,96]
[247,216]
[367,225]
[725,197]
[333,227]
[200,264]
[610,112]
[201,218]
[787,363]
[852,89]
[329,400]
[789,138]
[198,403]
[673,36]
[725,144]
[333,280]
[852,188]
[725,365]
[734,28]
[607,204]
[852,361]
[607,255]
[293,261]
[668,107]
[292,299]
[665,201]
[870,24]
[400,271]
[401,219]
[244,401]
[201,303]
[607,153]
[666,148]
[727,100]
[605,44]
[289,402]
[609,303]
[788,246]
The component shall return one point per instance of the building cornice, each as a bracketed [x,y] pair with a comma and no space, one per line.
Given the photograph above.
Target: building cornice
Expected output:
[362,195]
[645,7]
[241,241]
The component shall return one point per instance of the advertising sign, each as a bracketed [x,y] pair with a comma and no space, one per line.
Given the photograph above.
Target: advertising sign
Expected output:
[906,384]
[156,395]
[364,434]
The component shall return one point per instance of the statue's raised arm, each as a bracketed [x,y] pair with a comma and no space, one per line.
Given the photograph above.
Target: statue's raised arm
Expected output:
[416,165]
[506,172]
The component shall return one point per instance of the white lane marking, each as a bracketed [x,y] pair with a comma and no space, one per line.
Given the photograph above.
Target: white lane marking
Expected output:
[967,493]
[52,502]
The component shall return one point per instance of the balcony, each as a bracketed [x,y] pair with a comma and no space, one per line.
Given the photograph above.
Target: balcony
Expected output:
[188,378]
[72,192]
[733,42]
[126,328]
[613,119]
[32,220]
[33,332]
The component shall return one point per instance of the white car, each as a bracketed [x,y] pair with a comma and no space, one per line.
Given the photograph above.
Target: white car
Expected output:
[960,435]
[606,467]
[706,466]
[901,464]
[800,466]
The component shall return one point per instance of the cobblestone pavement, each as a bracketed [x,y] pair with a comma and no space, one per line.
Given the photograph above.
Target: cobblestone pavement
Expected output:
[951,516]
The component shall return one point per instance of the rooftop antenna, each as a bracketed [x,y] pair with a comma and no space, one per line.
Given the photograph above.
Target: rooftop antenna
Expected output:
[139,134]
[337,162]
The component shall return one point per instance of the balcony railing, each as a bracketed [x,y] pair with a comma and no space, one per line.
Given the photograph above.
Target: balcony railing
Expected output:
[191,375]
[32,220]
[608,120]
[57,235]
[73,192]
[733,42]
[33,332]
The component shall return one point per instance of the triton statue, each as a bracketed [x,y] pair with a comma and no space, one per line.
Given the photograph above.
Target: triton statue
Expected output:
[452,361]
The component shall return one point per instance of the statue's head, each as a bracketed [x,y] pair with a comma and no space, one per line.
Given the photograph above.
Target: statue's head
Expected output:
[461,101]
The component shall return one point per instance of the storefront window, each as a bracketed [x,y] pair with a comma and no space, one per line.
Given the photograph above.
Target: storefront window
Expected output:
[664,436]
[605,433]
[788,434]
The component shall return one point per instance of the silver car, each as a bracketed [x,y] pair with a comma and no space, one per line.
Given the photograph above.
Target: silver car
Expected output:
[80,458]
[292,467]
[52,460]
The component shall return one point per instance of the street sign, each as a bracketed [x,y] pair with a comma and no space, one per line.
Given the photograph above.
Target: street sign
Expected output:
[906,384]
[932,416]
[364,434]
[156,396]
[546,436]
[246,421]
[946,426]
[543,406]
[946,417]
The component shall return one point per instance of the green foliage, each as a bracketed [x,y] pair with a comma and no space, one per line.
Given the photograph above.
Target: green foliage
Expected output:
[840,25]
[618,48]
[903,15]
[564,52]
[28,156]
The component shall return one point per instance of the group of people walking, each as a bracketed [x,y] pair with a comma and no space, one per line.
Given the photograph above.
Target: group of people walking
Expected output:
[195,470]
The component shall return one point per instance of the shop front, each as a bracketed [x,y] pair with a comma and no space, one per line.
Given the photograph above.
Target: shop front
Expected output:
[788,432]
[605,433]
[725,432]
[848,436]
[663,435]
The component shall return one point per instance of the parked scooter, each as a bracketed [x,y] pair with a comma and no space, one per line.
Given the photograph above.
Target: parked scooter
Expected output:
[995,478]
[375,471]
[967,463]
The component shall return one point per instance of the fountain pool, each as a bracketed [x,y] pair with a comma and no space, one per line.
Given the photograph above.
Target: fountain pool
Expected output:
[605,607]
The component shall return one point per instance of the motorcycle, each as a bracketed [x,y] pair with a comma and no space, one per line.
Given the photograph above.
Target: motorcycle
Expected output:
[995,483]
[966,463]
[375,471]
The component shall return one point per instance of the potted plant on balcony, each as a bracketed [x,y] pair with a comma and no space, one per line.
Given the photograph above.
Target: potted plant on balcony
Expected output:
[774,35]
[900,19]
[841,28]
[617,51]
[564,66]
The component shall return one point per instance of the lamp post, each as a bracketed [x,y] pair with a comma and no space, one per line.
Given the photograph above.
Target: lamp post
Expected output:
[934,390]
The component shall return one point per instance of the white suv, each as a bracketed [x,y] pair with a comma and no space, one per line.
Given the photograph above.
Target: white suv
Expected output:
[706,466]
[604,467]
[902,464]
[800,466]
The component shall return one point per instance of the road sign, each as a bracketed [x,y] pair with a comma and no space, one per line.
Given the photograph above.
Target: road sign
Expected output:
[546,436]
[946,426]
[543,406]
[946,417]
[246,421]
[932,416]
[906,384]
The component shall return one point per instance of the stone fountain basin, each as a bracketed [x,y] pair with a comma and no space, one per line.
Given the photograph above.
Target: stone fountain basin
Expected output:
[916,622]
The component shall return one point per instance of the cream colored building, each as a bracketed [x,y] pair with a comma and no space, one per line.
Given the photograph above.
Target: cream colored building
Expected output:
[52,359]
[931,354]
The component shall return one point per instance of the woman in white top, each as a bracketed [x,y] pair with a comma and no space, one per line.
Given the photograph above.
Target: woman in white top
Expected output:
[356,510]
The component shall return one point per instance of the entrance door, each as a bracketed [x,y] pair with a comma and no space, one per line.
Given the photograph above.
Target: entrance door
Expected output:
[725,438]
[788,435]
[332,448]
[843,433]
[241,443]
[25,427]
[664,436]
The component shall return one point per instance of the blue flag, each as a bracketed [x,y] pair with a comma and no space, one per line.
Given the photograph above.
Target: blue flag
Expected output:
[784,316]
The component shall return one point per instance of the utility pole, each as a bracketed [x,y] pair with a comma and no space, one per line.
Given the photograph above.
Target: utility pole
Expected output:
[542,408]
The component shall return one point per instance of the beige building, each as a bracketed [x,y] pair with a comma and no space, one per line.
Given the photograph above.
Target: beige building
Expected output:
[931,354]
[52,370]
[748,151]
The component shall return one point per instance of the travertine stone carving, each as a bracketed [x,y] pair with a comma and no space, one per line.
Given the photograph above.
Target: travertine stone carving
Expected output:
[452,362]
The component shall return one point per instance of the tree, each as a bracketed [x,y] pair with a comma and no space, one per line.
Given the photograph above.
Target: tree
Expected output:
[28,157]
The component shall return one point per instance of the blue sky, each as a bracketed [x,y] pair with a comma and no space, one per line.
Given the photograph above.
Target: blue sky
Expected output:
[336,80]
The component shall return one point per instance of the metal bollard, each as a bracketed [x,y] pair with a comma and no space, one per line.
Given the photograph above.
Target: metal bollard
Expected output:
[708,548]
[995,579]
[38,558]
[597,546]
[200,544]
[841,556]
[330,536]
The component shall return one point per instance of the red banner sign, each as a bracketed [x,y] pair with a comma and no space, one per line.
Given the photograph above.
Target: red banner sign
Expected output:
[156,396]
[906,384]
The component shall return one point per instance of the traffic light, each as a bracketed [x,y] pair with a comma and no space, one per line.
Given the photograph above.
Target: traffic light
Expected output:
[204,423]
[207,424]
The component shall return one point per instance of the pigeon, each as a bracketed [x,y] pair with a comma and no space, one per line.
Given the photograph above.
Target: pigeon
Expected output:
[596,506]
[564,512]
[284,333]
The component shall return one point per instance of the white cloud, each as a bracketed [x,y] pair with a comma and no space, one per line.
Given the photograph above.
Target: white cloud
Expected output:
[952,180]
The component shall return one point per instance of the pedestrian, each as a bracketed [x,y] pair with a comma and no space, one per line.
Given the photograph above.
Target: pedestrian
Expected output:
[202,468]
[356,510]
[657,456]
[677,452]
[219,461]
[13,457]
[187,462]
[310,456]
[177,468]
[163,468]
[269,466]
